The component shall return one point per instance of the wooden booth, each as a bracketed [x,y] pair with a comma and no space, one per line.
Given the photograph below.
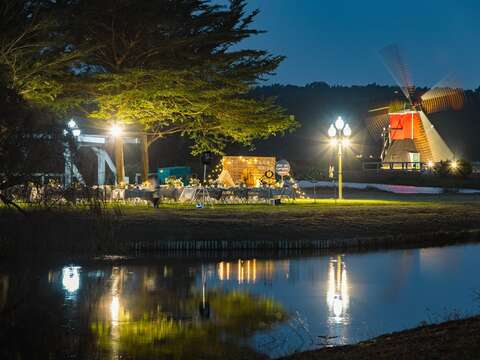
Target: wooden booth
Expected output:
[252,171]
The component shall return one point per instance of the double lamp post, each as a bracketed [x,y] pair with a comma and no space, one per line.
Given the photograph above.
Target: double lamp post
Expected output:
[339,133]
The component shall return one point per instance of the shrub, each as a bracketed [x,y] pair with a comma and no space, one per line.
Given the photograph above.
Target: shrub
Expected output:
[464,168]
[461,168]
[442,168]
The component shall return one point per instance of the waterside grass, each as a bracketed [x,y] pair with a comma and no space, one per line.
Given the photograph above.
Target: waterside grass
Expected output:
[303,224]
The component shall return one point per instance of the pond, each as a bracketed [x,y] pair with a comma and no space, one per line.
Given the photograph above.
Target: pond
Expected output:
[225,306]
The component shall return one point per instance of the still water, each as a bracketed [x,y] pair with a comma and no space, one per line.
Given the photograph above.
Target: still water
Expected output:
[215,306]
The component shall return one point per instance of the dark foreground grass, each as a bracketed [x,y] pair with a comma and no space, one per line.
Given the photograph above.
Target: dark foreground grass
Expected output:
[452,340]
[411,221]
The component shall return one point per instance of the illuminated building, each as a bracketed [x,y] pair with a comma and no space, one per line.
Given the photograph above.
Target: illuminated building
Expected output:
[409,138]
[413,139]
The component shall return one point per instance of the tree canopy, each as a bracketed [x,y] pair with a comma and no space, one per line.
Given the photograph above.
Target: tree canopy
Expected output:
[168,67]
[31,142]
[34,56]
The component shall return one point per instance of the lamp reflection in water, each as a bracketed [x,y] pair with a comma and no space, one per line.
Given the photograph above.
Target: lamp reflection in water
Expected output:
[116,278]
[71,278]
[249,271]
[338,297]
[117,282]
[114,309]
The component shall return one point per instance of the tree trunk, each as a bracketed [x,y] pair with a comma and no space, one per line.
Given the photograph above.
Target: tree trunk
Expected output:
[144,151]
[119,161]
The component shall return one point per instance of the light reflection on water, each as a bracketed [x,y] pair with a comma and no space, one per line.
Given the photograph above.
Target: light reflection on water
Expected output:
[338,291]
[166,307]
[71,278]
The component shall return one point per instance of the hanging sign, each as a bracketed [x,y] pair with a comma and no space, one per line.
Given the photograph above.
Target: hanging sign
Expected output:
[282,168]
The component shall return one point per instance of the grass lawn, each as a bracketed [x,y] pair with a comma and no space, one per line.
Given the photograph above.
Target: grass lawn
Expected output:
[397,221]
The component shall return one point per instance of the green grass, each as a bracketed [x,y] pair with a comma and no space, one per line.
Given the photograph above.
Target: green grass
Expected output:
[116,226]
[297,205]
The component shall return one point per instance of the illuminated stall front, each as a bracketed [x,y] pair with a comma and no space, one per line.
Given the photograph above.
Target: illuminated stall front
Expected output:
[252,171]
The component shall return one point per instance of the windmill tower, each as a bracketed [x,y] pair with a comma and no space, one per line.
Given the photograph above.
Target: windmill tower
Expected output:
[409,138]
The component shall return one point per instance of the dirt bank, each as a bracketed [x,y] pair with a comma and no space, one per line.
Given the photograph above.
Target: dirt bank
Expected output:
[459,339]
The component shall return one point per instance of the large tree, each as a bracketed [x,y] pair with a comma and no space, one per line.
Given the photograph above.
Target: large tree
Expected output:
[35,59]
[31,142]
[171,66]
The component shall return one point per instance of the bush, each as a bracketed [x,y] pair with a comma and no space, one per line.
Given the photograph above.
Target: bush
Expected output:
[442,168]
[173,182]
[464,168]
[461,168]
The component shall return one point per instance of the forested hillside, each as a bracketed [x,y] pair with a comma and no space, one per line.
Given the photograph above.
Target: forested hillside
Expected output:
[316,105]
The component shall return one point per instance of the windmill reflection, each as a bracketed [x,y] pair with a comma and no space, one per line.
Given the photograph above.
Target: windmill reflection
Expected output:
[338,297]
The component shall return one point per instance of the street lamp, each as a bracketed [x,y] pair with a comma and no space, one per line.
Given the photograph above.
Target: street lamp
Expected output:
[116,130]
[72,125]
[339,134]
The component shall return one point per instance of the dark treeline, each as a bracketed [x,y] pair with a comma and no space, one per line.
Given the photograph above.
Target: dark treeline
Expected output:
[318,104]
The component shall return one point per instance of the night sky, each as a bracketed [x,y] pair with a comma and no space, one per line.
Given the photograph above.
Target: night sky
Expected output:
[337,41]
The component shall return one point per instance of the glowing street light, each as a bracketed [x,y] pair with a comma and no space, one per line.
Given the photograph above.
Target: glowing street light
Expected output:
[339,123]
[339,134]
[72,125]
[331,131]
[116,130]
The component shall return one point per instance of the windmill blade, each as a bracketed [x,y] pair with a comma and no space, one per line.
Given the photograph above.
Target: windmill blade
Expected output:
[393,60]
[446,95]
[377,121]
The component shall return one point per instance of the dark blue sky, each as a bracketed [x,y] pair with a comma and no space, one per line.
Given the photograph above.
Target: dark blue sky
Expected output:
[337,41]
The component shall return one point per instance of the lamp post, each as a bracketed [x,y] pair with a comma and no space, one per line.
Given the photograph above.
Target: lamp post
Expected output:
[75,131]
[72,125]
[339,133]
